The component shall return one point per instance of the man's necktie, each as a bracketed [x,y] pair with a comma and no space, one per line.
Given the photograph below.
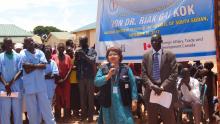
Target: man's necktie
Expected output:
[156,67]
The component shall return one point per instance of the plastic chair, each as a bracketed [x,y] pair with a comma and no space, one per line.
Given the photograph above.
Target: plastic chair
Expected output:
[189,111]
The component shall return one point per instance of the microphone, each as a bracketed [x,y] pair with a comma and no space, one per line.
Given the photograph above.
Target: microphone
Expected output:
[113,66]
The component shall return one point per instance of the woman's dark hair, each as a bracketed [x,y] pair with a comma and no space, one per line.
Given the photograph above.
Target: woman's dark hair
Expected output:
[114,49]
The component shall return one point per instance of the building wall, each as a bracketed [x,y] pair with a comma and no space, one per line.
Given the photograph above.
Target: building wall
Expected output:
[92,37]
[91,34]
[14,39]
[53,41]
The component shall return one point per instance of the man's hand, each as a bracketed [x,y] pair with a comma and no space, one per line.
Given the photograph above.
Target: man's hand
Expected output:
[28,67]
[49,76]
[60,82]
[157,89]
[74,68]
[134,105]
[8,90]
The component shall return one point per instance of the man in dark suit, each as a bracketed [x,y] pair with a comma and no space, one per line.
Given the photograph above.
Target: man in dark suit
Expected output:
[159,72]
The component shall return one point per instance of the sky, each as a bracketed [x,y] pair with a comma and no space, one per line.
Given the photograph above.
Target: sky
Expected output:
[66,15]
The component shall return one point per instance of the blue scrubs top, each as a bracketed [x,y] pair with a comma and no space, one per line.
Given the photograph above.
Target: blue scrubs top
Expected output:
[34,82]
[9,68]
[51,68]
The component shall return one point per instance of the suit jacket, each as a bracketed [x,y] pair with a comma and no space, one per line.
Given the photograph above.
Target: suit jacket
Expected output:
[168,73]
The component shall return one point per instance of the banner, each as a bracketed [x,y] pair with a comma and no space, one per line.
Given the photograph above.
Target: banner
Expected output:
[186,26]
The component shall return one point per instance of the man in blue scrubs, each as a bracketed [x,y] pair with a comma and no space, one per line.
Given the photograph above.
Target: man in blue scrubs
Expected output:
[34,63]
[9,73]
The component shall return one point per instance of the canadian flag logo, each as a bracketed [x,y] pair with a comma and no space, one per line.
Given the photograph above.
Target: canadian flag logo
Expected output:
[147,46]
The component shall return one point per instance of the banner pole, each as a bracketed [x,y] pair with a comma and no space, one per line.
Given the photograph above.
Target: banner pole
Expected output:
[217,35]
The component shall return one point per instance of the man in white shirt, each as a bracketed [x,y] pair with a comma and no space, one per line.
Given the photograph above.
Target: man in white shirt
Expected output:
[189,88]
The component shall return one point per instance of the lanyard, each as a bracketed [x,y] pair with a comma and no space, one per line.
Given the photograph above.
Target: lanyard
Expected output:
[114,79]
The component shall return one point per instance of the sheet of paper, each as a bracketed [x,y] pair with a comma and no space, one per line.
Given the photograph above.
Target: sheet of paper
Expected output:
[164,99]
[13,94]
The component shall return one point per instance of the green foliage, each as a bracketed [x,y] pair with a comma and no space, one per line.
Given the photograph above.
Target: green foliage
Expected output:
[41,30]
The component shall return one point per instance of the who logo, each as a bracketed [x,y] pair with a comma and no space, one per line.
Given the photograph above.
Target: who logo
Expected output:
[113,6]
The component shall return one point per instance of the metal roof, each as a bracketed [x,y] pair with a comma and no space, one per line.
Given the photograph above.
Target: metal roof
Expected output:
[86,27]
[61,35]
[11,30]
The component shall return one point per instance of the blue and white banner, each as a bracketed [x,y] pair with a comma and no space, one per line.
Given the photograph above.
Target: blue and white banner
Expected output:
[187,27]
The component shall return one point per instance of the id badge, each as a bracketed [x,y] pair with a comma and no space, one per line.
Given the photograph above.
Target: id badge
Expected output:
[115,90]
[126,86]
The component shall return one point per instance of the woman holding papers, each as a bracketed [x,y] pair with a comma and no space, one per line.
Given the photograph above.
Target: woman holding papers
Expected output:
[118,91]
[10,86]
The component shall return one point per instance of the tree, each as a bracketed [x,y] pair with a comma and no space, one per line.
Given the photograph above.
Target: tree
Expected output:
[41,30]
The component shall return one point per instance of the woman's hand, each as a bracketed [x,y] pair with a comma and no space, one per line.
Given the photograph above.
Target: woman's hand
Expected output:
[110,73]
[134,105]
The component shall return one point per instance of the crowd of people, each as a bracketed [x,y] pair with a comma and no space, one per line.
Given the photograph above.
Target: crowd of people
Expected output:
[42,81]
